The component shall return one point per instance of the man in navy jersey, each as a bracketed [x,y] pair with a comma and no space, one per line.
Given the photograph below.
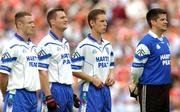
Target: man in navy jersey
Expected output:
[93,62]
[151,67]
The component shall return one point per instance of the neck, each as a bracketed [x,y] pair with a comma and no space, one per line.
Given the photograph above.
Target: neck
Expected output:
[96,35]
[157,32]
[58,33]
[23,35]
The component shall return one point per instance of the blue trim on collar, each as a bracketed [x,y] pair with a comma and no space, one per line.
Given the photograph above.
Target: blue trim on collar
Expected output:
[19,37]
[54,35]
[93,39]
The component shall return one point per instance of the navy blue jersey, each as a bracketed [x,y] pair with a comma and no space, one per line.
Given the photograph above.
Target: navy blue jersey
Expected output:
[153,55]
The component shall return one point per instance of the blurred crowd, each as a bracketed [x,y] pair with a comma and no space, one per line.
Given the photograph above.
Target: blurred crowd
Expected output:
[126,25]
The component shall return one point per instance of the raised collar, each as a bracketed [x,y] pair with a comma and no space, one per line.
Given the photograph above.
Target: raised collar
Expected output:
[153,34]
[93,39]
[21,38]
[53,35]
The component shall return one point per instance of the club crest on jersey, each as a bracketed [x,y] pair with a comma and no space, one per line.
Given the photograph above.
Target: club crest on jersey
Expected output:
[158,46]
[94,51]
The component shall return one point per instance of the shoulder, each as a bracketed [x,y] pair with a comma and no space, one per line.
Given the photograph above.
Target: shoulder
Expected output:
[165,39]
[13,47]
[106,42]
[144,45]
[46,39]
[147,40]
[14,44]
[84,42]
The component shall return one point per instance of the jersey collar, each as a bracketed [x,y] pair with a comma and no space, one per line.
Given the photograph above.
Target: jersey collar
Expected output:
[93,39]
[53,35]
[153,34]
[21,38]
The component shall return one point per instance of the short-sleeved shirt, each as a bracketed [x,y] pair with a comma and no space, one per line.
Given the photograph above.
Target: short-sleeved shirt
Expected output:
[20,61]
[54,57]
[92,58]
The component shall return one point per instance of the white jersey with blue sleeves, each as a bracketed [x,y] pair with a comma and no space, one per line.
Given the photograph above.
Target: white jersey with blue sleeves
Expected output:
[92,58]
[54,57]
[19,61]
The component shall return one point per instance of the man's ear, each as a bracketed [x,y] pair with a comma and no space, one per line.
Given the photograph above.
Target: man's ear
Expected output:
[92,23]
[19,24]
[52,22]
[153,22]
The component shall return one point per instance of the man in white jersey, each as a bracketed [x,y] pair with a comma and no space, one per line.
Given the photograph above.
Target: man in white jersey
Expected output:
[19,68]
[93,62]
[55,64]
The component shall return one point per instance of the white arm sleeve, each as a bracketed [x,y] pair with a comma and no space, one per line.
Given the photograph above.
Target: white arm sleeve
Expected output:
[141,56]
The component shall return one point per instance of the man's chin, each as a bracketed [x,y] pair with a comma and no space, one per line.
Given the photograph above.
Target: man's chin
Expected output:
[30,34]
[64,28]
[103,31]
[164,29]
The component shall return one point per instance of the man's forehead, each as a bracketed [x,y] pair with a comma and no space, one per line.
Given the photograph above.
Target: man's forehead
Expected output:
[162,16]
[27,18]
[101,16]
[60,13]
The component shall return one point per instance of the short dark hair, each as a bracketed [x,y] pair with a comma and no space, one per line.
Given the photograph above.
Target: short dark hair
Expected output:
[93,14]
[153,14]
[52,14]
[20,15]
